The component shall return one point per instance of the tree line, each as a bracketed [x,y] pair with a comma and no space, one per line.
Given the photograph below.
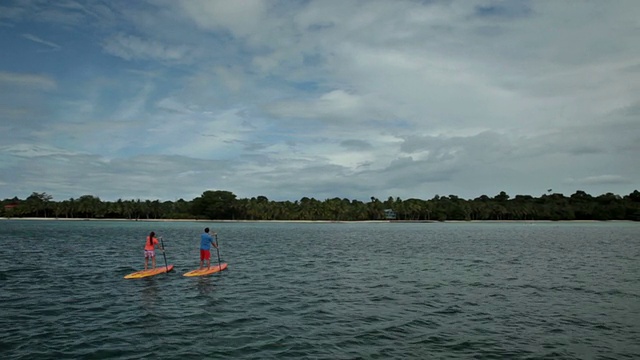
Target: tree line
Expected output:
[224,205]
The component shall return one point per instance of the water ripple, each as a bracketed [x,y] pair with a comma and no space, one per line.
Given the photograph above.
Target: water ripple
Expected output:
[334,291]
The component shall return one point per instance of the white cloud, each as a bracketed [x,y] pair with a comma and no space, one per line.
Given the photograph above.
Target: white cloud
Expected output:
[240,17]
[27,81]
[130,47]
[231,77]
[30,151]
[41,41]
[330,98]
[600,180]
[337,105]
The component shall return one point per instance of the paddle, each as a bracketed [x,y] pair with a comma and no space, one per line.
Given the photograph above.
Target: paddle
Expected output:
[218,251]
[166,267]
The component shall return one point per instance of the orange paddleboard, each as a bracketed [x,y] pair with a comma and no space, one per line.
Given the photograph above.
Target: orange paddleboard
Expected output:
[205,271]
[150,272]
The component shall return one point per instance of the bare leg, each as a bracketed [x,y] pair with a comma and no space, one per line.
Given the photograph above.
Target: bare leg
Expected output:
[153,260]
[146,263]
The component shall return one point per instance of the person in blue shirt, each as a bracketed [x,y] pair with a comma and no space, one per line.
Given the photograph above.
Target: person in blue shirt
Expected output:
[206,240]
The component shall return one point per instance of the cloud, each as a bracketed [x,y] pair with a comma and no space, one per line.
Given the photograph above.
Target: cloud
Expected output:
[504,10]
[75,174]
[240,18]
[27,81]
[24,104]
[41,41]
[130,47]
[337,105]
[318,98]
[600,180]
[171,104]
[353,144]
[31,151]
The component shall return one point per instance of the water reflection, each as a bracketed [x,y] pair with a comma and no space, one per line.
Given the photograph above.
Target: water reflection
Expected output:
[149,292]
[205,285]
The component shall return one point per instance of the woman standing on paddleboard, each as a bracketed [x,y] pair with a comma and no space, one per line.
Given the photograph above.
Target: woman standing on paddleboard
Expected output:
[206,241]
[149,250]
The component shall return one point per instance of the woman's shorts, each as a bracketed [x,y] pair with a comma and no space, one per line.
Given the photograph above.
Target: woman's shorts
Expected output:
[148,254]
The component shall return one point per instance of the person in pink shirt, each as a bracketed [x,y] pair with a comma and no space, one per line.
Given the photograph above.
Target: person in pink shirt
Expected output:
[149,250]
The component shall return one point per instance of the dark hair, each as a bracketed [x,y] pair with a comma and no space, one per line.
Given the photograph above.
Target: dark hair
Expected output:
[206,230]
[151,235]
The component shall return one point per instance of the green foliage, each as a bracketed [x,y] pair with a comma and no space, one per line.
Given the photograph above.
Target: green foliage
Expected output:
[215,205]
[223,205]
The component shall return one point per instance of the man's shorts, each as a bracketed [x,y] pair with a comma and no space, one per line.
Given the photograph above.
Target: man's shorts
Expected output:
[205,254]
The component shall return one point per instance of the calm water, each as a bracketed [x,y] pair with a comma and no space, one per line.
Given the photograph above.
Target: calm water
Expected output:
[323,291]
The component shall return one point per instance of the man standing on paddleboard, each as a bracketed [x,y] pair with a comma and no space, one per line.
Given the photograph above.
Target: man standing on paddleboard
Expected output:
[206,240]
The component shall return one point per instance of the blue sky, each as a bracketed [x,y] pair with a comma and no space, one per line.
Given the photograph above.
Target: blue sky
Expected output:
[286,99]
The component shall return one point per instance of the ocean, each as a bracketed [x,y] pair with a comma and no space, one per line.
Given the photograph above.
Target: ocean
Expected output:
[494,290]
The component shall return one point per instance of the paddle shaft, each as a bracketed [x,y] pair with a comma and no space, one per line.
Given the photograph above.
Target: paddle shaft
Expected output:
[166,267]
[218,251]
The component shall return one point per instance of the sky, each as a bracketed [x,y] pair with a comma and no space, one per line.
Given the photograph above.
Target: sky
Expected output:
[163,100]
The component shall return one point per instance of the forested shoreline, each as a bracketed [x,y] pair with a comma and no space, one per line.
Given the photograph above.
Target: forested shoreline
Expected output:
[224,205]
